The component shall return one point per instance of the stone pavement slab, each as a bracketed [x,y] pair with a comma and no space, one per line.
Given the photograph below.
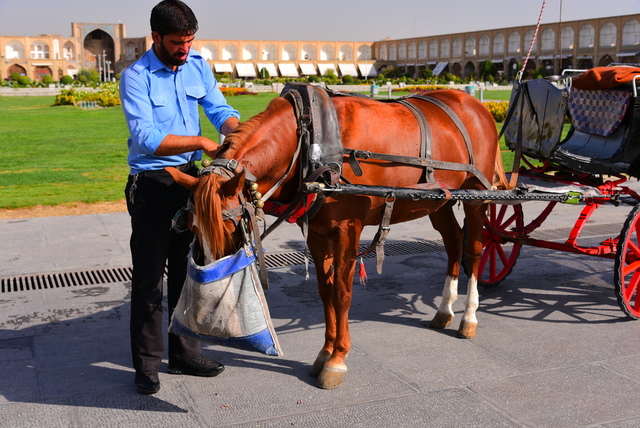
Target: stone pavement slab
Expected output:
[553,347]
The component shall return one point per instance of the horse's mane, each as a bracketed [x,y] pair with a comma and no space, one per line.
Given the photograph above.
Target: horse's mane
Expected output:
[236,139]
[209,214]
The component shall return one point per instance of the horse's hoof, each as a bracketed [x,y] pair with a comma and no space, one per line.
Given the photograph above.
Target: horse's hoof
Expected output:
[318,364]
[330,377]
[467,330]
[441,320]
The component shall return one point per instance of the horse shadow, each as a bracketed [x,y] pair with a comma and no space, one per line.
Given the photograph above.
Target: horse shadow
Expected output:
[70,357]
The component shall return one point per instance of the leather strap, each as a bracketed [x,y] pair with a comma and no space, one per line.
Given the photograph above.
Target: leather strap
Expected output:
[381,234]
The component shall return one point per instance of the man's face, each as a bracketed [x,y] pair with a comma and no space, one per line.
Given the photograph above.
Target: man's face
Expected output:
[172,49]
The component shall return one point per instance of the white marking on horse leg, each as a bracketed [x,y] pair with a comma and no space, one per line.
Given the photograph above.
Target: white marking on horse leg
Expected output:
[444,316]
[449,295]
[472,302]
[469,321]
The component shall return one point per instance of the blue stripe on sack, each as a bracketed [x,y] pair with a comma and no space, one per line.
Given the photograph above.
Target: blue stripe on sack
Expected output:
[261,341]
[221,268]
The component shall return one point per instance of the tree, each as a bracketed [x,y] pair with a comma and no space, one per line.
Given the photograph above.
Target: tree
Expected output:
[66,80]
[488,70]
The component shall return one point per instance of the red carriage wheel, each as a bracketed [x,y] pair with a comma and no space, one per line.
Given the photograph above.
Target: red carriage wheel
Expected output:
[627,267]
[499,255]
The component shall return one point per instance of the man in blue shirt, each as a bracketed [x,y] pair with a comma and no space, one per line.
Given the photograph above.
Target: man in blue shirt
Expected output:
[160,95]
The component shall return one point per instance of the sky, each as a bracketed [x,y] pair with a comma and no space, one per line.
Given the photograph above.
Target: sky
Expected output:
[324,20]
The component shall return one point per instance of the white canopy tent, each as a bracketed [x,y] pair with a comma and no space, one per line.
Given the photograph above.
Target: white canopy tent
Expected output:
[223,68]
[246,70]
[288,70]
[308,69]
[367,70]
[348,69]
[270,67]
[324,67]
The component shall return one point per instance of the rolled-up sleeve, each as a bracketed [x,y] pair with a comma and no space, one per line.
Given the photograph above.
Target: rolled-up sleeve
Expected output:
[214,104]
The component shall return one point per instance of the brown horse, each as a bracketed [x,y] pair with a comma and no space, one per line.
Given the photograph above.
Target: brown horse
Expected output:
[265,146]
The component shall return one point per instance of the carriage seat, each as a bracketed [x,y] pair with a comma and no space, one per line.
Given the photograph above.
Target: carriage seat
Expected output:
[605,125]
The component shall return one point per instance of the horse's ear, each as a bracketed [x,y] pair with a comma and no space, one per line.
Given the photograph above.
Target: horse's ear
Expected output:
[234,185]
[185,180]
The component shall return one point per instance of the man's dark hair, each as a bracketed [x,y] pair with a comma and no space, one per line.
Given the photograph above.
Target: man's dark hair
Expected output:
[173,17]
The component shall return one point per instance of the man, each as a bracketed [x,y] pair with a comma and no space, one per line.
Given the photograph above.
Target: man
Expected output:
[160,94]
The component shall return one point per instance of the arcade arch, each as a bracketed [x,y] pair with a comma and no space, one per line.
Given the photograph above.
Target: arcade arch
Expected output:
[100,44]
[14,50]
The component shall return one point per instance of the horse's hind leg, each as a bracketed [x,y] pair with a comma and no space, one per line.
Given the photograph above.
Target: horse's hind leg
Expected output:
[445,223]
[475,216]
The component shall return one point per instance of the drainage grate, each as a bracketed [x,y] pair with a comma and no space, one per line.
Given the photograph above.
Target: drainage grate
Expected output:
[65,279]
[398,248]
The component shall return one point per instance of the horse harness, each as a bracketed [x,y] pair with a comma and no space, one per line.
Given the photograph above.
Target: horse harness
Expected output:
[321,153]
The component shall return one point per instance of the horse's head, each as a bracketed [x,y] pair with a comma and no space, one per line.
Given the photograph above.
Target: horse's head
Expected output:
[217,209]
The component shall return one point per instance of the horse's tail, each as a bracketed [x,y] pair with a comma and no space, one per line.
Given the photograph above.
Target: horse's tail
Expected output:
[209,214]
[500,181]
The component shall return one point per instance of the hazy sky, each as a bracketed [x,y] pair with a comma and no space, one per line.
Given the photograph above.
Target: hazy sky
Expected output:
[330,20]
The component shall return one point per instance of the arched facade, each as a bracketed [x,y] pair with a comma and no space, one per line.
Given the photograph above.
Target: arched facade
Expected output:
[574,44]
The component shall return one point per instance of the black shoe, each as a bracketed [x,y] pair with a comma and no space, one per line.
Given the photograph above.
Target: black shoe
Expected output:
[147,382]
[198,366]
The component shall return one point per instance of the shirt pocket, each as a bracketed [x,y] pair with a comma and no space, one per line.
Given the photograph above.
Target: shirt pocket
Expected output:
[163,107]
[196,92]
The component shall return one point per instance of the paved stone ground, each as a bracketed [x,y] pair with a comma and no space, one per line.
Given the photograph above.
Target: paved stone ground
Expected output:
[553,348]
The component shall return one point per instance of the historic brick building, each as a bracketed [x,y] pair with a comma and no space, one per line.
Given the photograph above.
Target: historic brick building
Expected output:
[574,44]
[106,48]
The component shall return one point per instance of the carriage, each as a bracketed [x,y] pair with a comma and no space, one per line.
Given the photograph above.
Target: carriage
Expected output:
[335,163]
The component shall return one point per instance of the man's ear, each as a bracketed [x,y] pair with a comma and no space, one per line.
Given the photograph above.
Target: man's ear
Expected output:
[185,180]
[156,37]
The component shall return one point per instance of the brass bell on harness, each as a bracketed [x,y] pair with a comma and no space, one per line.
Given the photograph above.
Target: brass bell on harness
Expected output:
[259,203]
[253,187]
[205,162]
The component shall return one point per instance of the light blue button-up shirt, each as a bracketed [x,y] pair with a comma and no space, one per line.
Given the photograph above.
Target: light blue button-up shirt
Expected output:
[158,101]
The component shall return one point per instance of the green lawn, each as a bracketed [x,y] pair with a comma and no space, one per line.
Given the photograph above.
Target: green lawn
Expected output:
[54,155]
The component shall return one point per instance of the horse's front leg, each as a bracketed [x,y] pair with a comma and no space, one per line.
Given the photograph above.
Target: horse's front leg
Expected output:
[335,279]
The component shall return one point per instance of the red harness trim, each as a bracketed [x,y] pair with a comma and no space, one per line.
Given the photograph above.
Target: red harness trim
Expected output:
[277,208]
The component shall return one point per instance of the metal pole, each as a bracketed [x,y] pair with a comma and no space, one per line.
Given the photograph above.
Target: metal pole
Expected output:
[104,61]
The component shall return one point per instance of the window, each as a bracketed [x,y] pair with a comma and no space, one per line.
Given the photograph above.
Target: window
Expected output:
[445,48]
[346,53]
[483,46]
[513,46]
[498,44]
[39,50]
[422,50]
[327,53]
[250,52]
[608,34]
[566,38]
[433,49]
[586,36]
[548,39]
[13,50]
[631,33]
[289,53]
[470,46]
[230,52]
[457,47]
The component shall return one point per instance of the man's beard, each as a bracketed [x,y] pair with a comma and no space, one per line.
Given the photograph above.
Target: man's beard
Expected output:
[168,58]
